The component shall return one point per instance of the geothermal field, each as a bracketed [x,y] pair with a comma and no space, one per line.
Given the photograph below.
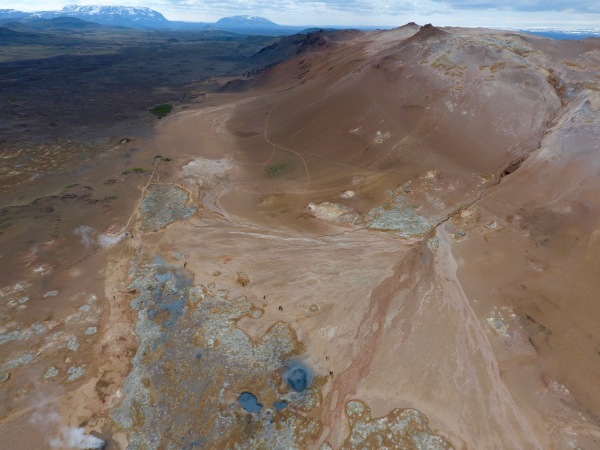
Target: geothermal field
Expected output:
[336,240]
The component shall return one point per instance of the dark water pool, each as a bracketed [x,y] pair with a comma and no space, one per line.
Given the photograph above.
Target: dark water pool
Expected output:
[279,405]
[249,402]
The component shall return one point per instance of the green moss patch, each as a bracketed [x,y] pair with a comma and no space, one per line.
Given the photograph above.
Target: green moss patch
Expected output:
[161,111]
[134,170]
[278,168]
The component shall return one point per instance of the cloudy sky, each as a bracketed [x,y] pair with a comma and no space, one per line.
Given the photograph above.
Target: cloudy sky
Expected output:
[490,13]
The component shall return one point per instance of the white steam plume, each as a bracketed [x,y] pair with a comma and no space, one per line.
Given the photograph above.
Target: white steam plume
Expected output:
[89,237]
[85,233]
[75,438]
[62,436]
[109,239]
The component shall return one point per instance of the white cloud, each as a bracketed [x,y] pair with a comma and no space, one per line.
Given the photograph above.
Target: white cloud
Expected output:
[580,6]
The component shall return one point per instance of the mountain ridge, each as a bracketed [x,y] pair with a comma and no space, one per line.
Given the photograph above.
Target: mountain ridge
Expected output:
[246,21]
[147,18]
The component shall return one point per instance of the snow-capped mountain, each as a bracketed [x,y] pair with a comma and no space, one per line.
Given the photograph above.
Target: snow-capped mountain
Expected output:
[127,16]
[124,16]
[141,17]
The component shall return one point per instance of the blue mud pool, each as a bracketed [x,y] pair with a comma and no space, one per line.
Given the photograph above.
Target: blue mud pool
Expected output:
[249,402]
[298,376]
[280,405]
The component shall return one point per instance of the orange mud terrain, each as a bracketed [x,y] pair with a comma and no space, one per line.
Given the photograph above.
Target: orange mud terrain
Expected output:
[389,240]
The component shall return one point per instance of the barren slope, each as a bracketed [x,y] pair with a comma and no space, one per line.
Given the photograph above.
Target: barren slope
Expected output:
[390,240]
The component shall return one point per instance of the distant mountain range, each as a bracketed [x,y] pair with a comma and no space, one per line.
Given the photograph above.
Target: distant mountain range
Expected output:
[146,18]
[561,34]
[107,15]
[134,17]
